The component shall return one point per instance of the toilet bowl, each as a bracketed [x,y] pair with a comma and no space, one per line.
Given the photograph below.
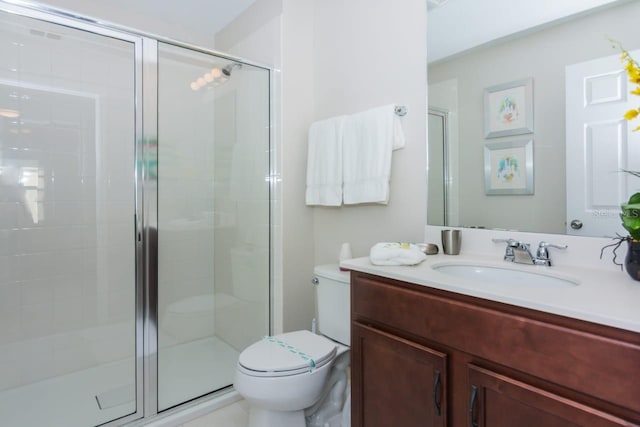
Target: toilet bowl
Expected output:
[299,378]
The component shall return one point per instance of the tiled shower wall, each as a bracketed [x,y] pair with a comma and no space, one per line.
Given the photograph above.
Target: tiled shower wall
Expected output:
[67,244]
[214,202]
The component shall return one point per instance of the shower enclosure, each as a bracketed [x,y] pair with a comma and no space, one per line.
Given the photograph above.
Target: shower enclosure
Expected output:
[134,220]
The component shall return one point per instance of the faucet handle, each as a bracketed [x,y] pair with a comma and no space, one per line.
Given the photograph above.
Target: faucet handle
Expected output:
[545,245]
[512,243]
[542,253]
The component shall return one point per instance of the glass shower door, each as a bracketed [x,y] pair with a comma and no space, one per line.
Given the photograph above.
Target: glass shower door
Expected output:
[67,235]
[213,219]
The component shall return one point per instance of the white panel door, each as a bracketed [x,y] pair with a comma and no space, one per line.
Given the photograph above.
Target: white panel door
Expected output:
[600,145]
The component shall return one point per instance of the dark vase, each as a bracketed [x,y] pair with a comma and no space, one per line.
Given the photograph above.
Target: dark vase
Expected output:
[632,260]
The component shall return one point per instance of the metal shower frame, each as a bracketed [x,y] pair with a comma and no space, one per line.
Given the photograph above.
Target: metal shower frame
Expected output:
[146,223]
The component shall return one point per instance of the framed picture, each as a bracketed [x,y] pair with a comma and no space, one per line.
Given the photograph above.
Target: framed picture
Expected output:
[508,168]
[508,109]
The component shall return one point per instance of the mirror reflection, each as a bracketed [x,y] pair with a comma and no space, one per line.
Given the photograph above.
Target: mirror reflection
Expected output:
[579,137]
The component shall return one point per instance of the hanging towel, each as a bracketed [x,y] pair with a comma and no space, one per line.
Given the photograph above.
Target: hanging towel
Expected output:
[369,139]
[396,254]
[324,162]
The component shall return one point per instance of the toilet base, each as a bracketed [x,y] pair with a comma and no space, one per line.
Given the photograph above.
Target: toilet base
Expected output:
[259,417]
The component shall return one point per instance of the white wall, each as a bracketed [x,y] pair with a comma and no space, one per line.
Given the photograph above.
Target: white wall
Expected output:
[542,55]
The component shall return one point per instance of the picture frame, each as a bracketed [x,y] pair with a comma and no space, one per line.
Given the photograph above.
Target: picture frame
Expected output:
[508,168]
[508,109]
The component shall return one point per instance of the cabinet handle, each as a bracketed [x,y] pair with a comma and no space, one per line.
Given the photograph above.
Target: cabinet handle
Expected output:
[472,405]
[436,389]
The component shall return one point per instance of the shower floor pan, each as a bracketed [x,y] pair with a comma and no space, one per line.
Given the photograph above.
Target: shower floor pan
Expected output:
[192,369]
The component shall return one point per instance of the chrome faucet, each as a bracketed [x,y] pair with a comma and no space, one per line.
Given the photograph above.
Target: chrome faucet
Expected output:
[520,252]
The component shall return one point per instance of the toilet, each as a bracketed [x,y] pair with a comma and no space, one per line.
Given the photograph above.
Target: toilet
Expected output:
[299,378]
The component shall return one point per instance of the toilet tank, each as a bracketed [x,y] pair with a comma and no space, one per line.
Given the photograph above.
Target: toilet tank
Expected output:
[333,296]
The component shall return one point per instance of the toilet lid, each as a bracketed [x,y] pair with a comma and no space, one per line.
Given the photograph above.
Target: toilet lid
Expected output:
[287,354]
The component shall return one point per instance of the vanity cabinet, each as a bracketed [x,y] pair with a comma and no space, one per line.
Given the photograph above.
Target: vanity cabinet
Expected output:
[427,357]
[414,394]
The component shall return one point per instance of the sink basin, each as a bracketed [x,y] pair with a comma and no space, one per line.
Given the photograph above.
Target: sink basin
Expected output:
[504,276]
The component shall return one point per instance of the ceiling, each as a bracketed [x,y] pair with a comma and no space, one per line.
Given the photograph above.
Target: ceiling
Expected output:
[456,26]
[204,16]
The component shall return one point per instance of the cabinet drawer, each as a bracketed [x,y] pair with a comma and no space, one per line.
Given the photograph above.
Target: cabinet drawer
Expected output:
[496,400]
[594,364]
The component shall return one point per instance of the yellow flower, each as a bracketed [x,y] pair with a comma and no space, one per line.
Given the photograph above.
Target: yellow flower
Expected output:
[633,71]
[631,114]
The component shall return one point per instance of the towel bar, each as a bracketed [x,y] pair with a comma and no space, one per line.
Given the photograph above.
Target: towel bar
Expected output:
[400,110]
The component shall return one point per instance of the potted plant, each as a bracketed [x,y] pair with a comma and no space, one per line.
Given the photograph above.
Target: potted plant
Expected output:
[631,222]
[631,210]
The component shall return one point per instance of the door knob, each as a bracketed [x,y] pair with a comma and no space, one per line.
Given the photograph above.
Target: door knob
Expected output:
[576,224]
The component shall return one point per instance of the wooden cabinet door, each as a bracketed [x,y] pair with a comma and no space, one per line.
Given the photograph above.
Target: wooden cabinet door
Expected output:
[396,382]
[496,400]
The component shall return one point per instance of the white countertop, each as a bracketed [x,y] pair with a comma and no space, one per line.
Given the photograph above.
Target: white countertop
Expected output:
[605,297]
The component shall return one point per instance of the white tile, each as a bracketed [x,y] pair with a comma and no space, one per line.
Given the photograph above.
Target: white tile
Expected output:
[9,376]
[10,296]
[71,353]
[64,213]
[67,286]
[10,324]
[37,291]
[9,214]
[37,320]
[68,187]
[68,313]
[9,52]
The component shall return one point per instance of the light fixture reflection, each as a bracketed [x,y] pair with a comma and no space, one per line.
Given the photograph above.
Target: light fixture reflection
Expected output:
[8,113]
[212,78]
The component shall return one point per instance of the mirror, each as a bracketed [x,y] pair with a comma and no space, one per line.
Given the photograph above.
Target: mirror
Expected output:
[461,74]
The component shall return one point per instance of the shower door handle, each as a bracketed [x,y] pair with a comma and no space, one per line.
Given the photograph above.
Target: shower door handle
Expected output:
[138,228]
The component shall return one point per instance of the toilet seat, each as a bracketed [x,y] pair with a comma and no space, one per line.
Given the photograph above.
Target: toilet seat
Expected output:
[287,354]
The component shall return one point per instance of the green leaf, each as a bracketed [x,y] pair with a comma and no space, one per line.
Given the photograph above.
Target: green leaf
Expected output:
[631,219]
[634,199]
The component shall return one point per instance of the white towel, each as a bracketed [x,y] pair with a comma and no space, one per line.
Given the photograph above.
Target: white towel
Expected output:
[396,254]
[324,162]
[369,139]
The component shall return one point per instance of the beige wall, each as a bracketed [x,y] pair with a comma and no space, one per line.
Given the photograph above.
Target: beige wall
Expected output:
[298,98]
[338,58]
[543,56]
[370,53]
